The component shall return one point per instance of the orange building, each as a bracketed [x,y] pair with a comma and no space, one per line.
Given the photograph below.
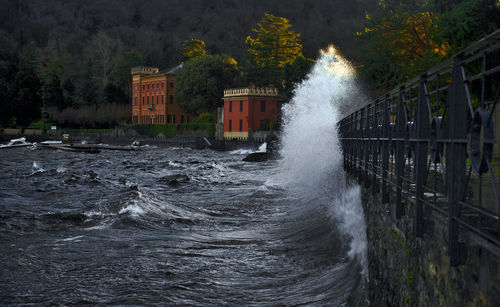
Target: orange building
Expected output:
[247,110]
[153,97]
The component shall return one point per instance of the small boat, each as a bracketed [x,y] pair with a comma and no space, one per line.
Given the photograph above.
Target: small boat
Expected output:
[20,142]
[84,147]
[67,147]
[74,148]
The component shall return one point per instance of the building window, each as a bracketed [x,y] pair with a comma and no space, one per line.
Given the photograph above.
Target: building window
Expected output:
[263,106]
[157,99]
[161,99]
[135,100]
[162,85]
[136,87]
[264,124]
[147,99]
[182,119]
[187,118]
[157,85]
[230,106]
[148,86]
[143,86]
[230,124]
[241,105]
[171,84]
[241,125]
[171,99]
[142,100]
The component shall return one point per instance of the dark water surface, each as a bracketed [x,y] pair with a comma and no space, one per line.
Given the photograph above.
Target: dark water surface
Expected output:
[164,226]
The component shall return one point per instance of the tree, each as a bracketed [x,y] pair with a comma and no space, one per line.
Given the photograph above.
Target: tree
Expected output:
[26,88]
[295,72]
[202,80]
[69,92]
[398,43]
[113,94]
[405,39]
[193,48]
[52,92]
[274,45]
[88,90]
[464,22]
[122,77]
[105,53]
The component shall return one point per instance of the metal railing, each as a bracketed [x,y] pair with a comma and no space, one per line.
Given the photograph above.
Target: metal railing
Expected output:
[431,147]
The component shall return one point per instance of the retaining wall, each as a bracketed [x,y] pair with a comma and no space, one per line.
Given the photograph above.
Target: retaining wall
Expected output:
[406,270]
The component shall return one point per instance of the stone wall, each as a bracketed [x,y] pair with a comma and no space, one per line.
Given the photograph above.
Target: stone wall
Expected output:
[408,271]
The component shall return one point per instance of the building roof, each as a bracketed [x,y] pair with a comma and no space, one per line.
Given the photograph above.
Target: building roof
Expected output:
[251,91]
[171,70]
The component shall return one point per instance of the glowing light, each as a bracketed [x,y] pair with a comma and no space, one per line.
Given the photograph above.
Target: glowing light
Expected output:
[335,64]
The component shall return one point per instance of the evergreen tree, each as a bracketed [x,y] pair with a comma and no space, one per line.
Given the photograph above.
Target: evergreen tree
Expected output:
[274,46]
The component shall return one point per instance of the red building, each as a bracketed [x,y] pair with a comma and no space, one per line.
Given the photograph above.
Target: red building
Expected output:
[153,97]
[247,110]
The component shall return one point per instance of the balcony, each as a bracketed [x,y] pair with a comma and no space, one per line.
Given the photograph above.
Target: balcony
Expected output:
[151,106]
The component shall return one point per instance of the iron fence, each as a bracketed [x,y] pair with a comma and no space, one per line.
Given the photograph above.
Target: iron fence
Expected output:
[431,147]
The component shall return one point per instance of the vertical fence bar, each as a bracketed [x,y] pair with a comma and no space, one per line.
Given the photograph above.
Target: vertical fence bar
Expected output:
[375,146]
[385,152]
[400,157]
[456,151]
[368,146]
[359,156]
[422,121]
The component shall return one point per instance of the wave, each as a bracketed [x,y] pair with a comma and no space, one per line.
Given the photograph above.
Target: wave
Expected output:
[311,166]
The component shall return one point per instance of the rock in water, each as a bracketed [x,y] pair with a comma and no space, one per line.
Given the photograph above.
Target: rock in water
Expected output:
[257,157]
[174,180]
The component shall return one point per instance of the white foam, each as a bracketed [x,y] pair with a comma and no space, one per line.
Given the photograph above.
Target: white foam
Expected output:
[36,168]
[247,151]
[311,164]
[133,209]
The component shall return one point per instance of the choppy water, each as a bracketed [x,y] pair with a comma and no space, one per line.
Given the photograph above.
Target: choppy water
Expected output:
[176,226]
[171,226]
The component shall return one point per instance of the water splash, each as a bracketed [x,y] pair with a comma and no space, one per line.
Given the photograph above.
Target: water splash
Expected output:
[262,148]
[311,162]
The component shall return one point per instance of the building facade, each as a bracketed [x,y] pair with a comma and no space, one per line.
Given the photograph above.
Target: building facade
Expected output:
[247,110]
[153,97]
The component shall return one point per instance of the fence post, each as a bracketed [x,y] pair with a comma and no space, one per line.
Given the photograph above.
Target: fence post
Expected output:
[400,157]
[375,146]
[359,151]
[456,150]
[422,121]
[385,152]
[367,147]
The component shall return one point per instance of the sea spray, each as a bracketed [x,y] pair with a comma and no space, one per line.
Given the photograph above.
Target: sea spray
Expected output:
[311,164]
